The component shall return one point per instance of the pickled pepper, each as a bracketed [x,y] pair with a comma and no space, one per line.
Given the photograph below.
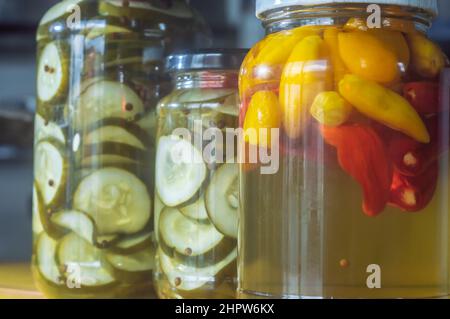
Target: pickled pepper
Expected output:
[362,154]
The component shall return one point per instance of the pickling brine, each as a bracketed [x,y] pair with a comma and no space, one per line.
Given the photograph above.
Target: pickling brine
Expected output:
[359,206]
[98,83]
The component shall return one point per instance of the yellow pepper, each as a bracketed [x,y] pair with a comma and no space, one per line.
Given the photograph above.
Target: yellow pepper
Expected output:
[330,109]
[263,114]
[330,37]
[427,58]
[306,73]
[368,56]
[397,42]
[278,46]
[384,106]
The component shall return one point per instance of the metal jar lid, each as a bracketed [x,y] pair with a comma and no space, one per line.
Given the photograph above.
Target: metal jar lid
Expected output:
[205,59]
[267,5]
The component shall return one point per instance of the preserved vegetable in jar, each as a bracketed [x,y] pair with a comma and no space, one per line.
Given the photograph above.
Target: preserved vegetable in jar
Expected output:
[99,78]
[196,200]
[358,207]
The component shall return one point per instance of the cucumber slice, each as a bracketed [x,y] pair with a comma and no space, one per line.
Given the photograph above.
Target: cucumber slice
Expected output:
[135,267]
[189,278]
[74,250]
[222,199]
[45,259]
[230,106]
[196,210]
[84,226]
[106,99]
[45,130]
[149,123]
[159,207]
[103,160]
[52,73]
[58,10]
[143,9]
[133,244]
[117,201]
[108,29]
[37,211]
[116,134]
[52,230]
[50,171]
[180,170]
[108,153]
[185,236]
[205,95]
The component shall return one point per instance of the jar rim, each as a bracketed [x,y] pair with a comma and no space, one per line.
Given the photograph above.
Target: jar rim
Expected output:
[263,6]
[205,59]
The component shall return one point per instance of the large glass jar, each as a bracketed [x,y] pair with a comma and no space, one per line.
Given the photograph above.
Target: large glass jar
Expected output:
[196,201]
[358,206]
[99,79]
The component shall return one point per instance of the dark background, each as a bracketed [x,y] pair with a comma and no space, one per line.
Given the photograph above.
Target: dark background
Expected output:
[233,24]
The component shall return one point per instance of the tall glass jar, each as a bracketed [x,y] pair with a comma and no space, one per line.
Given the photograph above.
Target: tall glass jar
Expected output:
[196,201]
[359,204]
[99,79]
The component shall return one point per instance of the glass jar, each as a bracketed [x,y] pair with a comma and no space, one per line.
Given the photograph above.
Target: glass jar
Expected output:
[99,79]
[358,207]
[196,201]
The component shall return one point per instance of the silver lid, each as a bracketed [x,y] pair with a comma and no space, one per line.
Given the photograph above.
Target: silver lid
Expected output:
[266,5]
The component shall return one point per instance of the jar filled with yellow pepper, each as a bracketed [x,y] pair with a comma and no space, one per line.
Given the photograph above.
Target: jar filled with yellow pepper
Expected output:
[349,94]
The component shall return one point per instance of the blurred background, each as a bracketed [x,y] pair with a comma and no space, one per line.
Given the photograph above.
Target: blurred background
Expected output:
[233,24]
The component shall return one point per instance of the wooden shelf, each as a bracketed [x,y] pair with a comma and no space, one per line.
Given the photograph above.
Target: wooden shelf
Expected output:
[16,282]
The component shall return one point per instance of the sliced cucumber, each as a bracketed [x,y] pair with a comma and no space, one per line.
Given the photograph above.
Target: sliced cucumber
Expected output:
[185,236]
[230,106]
[148,123]
[115,134]
[103,160]
[52,230]
[108,29]
[84,226]
[86,259]
[116,200]
[45,258]
[58,10]
[108,153]
[143,9]
[196,209]
[222,199]
[45,130]
[37,211]
[189,278]
[205,95]
[135,267]
[180,170]
[133,244]
[159,207]
[52,73]
[50,171]
[106,99]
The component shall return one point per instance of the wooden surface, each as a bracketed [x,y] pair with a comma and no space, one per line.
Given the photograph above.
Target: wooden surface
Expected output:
[16,282]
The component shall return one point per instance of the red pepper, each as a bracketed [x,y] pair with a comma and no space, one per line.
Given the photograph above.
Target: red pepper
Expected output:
[413,194]
[362,154]
[412,158]
[423,96]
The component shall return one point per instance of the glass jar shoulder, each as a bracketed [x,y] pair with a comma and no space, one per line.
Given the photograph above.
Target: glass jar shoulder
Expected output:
[116,16]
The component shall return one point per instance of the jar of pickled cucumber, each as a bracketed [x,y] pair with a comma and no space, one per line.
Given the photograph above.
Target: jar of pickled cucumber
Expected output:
[358,207]
[99,78]
[196,200]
